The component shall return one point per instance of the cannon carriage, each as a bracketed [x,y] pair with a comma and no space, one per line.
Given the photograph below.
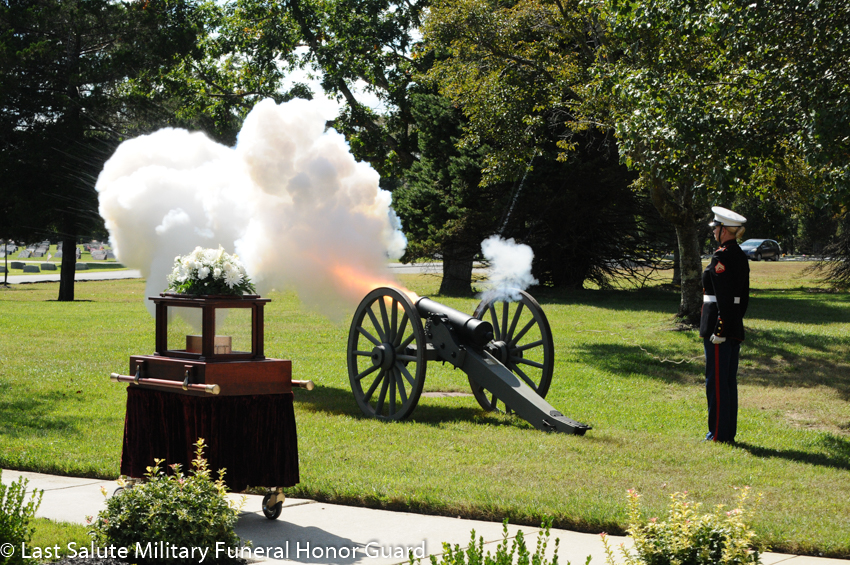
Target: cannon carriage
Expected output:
[509,360]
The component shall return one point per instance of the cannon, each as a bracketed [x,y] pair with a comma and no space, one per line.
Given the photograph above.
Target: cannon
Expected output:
[509,361]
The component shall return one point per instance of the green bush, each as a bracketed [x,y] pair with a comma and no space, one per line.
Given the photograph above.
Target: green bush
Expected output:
[687,538]
[171,518]
[517,553]
[15,517]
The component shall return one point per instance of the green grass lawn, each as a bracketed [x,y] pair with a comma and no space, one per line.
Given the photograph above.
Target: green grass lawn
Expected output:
[620,366]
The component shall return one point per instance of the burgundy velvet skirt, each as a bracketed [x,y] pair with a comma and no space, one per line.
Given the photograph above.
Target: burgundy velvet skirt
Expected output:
[252,437]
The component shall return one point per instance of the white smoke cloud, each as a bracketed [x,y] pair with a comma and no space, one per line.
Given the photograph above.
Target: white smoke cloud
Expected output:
[289,199]
[510,268]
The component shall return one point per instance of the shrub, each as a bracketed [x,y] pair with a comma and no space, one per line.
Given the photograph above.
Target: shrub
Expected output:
[181,511]
[15,517]
[686,538]
[518,552]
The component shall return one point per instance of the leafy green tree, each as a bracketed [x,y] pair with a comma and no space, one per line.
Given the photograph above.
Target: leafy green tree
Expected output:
[703,95]
[64,65]
[517,71]
[79,76]
[699,95]
[367,45]
[441,203]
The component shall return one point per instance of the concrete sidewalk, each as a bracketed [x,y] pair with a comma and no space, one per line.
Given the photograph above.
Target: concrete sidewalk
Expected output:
[319,533]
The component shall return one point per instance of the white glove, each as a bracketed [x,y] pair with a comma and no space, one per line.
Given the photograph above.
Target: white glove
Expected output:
[716,340]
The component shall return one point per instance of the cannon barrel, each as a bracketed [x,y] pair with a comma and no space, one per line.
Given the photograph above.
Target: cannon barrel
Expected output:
[478,332]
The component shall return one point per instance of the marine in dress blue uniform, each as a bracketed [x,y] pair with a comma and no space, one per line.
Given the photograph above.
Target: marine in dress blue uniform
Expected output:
[726,289]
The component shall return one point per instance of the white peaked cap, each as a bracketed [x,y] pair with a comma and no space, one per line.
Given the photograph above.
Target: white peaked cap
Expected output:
[728,218]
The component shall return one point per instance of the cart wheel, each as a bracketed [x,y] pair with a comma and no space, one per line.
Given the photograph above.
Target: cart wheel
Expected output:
[522,341]
[272,512]
[118,491]
[386,355]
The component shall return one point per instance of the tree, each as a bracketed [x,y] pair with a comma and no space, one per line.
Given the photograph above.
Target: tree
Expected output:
[64,66]
[440,202]
[79,76]
[516,70]
[366,44]
[699,95]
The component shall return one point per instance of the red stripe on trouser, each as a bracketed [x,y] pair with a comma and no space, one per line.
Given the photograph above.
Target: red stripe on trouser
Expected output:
[716,390]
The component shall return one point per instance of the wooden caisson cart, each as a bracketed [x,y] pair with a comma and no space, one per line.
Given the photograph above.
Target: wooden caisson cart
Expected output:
[505,348]
[218,387]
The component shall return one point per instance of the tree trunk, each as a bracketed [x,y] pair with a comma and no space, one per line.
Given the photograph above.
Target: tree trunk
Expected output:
[690,263]
[677,207]
[457,270]
[677,267]
[69,268]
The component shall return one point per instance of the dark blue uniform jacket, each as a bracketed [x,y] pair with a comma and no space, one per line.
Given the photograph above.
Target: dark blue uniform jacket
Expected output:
[727,278]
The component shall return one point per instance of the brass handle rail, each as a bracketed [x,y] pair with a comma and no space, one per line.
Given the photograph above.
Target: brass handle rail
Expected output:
[209,389]
[304,384]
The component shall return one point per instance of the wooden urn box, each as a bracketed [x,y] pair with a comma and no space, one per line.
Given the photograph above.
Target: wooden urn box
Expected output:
[209,378]
[226,359]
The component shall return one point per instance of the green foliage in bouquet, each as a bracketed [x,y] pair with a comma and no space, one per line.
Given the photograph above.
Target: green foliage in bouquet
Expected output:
[687,538]
[183,511]
[209,272]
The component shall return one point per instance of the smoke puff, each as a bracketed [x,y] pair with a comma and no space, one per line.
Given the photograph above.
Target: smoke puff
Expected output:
[510,268]
[289,199]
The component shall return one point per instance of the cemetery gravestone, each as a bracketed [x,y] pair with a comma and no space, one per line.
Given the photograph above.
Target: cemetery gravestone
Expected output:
[48,266]
[16,265]
[31,269]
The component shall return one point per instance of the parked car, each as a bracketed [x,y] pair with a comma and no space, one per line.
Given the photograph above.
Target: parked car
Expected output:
[758,249]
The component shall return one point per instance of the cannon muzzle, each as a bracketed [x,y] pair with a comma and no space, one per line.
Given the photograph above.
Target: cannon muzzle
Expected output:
[478,332]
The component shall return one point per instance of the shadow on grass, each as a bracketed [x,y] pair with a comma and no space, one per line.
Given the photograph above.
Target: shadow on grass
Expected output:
[341,402]
[24,415]
[837,453]
[801,306]
[640,359]
[774,367]
[781,369]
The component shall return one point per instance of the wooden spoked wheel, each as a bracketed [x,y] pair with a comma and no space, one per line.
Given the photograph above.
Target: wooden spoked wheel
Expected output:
[522,341]
[386,355]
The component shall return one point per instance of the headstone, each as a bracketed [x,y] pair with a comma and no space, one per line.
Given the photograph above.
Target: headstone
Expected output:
[38,253]
[98,255]
[110,255]
[48,266]
[31,269]
[58,255]
[82,266]
[2,269]
[79,253]
[16,265]
[25,254]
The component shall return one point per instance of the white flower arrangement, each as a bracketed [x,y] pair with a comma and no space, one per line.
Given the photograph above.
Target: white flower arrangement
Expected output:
[209,272]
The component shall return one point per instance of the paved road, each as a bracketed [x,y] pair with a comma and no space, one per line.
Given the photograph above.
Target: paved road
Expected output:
[79,276]
[431,268]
